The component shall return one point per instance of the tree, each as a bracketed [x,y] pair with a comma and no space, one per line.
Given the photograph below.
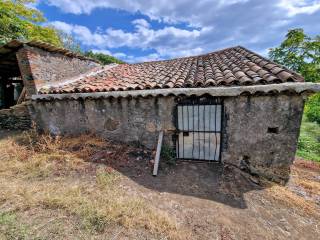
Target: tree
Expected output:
[18,21]
[69,42]
[103,58]
[301,53]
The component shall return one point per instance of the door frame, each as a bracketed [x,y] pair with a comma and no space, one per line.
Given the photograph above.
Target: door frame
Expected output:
[198,101]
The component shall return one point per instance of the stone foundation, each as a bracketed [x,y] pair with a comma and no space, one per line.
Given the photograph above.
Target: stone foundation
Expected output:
[16,117]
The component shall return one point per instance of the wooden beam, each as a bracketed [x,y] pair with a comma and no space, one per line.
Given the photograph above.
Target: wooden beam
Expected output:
[157,157]
[22,96]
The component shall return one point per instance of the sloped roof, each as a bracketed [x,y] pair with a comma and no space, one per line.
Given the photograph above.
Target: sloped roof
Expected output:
[234,66]
[14,45]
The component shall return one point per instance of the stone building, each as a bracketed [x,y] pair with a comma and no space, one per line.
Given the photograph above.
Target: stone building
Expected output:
[25,68]
[231,106]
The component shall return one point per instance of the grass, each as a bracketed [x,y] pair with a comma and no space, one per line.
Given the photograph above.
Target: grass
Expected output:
[10,228]
[309,141]
[45,173]
[292,200]
[51,189]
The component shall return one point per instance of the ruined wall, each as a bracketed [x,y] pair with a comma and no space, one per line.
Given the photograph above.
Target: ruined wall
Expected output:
[135,120]
[39,67]
[261,133]
[16,117]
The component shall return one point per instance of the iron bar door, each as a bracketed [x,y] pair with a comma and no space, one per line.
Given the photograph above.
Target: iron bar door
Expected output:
[199,129]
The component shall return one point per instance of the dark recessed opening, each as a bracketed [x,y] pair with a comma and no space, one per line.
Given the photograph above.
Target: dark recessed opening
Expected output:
[11,84]
[273,130]
[185,134]
[246,158]
[245,163]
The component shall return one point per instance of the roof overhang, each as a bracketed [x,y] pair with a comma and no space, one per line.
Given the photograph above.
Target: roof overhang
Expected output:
[296,88]
[14,45]
[8,61]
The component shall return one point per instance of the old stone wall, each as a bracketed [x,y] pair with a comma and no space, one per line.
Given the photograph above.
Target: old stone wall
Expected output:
[136,120]
[39,67]
[16,117]
[261,133]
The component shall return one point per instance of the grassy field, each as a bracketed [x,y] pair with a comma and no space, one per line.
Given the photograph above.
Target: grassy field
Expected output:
[48,190]
[309,141]
[87,188]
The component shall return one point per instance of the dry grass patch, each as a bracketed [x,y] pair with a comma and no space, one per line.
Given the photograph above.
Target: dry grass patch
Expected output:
[39,171]
[36,156]
[286,196]
[307,181]
[301,179]
[290,199]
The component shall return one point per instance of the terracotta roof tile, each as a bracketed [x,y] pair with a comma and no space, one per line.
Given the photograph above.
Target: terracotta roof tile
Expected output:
[228,67]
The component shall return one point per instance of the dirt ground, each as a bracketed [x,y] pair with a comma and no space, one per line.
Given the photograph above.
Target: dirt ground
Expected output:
[202,200]
[216,202]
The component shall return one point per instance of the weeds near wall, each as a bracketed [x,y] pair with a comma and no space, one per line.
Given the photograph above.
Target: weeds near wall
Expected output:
[168,154]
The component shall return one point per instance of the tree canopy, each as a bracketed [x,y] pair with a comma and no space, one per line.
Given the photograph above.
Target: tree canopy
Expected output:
[19,21]
[301,53]
[103,58]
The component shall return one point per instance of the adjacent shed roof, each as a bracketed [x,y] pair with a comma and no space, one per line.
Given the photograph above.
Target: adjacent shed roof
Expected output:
[8,61]
[234,66]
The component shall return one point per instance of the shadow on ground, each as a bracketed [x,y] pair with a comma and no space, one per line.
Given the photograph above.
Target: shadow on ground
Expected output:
[211,181]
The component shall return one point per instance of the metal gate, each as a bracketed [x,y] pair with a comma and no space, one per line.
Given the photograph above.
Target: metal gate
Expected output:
[199,129]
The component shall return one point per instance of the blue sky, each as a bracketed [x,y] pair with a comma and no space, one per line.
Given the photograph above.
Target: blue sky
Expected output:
[145,30]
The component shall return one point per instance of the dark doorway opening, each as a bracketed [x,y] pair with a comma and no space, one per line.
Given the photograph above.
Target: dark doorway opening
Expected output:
[11,84]
[10,91]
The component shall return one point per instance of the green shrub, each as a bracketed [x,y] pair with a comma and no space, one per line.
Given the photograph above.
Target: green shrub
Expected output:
[168,155]
[309,141]
[312,108]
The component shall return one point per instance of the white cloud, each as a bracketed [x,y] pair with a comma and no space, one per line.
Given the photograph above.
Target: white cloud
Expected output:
[65,27]
[212,24]
[119,55]
[104,51]
[295,7]
[193,12]
[141,23]
[167,42]
[146,58]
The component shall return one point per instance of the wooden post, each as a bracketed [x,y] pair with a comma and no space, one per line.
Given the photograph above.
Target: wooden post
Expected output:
[22,96]
[157,157]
